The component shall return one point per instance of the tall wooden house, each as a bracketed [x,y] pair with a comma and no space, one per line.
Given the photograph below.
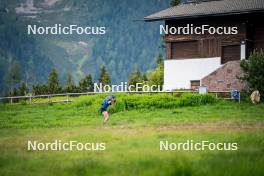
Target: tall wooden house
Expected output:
[211,58]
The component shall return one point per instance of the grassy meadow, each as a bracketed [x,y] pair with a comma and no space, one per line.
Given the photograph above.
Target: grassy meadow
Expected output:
[137,124]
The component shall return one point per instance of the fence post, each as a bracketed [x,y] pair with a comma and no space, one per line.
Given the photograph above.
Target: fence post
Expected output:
[30,99]
[67,97]
[11,100]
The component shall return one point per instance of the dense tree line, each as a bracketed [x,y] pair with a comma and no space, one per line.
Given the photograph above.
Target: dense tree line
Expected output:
[151,77]
[86,84]
[53,86]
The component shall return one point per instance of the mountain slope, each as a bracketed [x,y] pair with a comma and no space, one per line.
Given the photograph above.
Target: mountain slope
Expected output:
[128,43]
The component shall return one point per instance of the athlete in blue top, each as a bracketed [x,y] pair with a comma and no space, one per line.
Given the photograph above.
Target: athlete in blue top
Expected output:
[106,103]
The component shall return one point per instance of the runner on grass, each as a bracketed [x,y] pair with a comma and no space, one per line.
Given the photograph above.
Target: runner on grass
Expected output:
[106,103]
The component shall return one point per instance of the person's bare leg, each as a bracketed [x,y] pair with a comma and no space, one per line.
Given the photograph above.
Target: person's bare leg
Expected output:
[106,116]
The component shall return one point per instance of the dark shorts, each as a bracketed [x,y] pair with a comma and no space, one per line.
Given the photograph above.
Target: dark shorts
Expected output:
[102,110]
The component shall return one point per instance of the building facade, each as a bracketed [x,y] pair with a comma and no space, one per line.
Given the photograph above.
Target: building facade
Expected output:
[211,57]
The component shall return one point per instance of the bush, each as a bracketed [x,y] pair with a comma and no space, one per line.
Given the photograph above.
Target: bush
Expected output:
[196,99]
[90,100]
[23,102]
[146,101]
[254,72]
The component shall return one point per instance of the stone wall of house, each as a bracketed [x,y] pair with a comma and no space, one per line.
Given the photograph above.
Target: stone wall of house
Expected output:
[225,78]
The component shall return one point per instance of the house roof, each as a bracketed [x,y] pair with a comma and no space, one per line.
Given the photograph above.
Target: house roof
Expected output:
[200,8]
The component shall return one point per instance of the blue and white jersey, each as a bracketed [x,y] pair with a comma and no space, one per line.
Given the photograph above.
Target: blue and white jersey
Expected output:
[107,102]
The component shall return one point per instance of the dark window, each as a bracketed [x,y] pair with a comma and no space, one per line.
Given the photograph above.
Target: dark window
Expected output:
[259,37]
[195,84]
[230,53]
[185,49]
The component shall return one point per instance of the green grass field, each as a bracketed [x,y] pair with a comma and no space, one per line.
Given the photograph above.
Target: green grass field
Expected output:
[132,140]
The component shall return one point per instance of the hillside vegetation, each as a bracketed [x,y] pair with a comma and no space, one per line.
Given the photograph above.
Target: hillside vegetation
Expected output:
[129,43]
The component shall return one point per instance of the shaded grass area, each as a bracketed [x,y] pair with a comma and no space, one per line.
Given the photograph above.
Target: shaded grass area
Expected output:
[132,151]
[132,140]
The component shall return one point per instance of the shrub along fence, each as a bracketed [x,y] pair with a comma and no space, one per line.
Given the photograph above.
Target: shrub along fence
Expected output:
[69,97]
[145,101]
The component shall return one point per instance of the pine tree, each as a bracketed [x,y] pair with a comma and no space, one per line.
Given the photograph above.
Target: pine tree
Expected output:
[145,78]
[135,77]
[14,92]
[53,82]
[13,76]
[40,89]
[86,84]
[70,86]
[159,60]
[254,72]
[104,77]
[157,76]
[23,90]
